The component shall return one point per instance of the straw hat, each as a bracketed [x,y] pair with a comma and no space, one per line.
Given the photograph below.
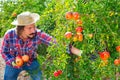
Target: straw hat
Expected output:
[26,18]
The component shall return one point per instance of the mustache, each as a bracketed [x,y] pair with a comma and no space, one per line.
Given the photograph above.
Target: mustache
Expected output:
[32,34]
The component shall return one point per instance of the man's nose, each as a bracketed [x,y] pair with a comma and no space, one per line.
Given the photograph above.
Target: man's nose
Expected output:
[33,30]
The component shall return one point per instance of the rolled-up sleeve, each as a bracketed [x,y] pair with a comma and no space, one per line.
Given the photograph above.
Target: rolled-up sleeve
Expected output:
[46,38]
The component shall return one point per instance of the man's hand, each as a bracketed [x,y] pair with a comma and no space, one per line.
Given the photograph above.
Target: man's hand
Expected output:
[76,51]
[14,65]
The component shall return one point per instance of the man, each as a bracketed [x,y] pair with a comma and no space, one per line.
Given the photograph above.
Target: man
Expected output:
[24,40]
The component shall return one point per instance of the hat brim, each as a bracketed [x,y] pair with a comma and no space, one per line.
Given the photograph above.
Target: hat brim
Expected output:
[35,16]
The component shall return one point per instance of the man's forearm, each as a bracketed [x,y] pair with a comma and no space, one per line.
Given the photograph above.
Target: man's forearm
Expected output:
[76,51]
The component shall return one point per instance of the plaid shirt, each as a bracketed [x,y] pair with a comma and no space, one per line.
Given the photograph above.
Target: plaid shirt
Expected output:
[12,45]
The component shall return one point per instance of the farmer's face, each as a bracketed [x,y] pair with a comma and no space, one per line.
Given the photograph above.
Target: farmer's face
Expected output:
[29,31]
